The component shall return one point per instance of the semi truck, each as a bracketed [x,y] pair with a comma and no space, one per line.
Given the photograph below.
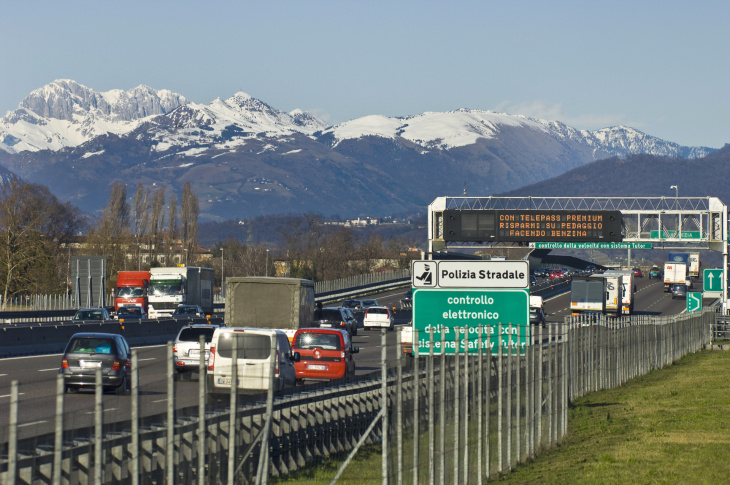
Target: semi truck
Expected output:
[131,289]
[270,302]
[179,285]
[674,273]
[694,265]
[597,293]
[628,289]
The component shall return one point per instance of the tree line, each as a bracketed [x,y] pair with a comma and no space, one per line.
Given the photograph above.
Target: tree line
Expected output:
[39,234]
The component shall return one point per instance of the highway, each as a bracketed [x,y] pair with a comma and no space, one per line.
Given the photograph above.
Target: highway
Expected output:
[37,374]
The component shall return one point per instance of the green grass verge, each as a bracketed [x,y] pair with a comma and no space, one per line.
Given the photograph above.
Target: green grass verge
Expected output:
[670,426]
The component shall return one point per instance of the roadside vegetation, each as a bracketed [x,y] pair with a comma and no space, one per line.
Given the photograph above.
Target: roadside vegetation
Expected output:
[669,426]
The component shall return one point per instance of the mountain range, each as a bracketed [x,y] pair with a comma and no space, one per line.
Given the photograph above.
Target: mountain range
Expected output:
[244,158]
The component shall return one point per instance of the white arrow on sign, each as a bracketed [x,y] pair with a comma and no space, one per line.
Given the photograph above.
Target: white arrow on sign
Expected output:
[711,276]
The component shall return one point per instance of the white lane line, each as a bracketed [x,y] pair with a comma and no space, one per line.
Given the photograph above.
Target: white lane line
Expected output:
[3,375]
[105,410]
[148,358]
[47,370]
[8,395]
[34,423]
[161,400]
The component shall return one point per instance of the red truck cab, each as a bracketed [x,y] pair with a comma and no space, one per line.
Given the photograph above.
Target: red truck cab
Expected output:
[131,289]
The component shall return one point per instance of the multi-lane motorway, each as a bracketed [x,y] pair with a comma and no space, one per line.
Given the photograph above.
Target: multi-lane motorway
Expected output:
[37,374]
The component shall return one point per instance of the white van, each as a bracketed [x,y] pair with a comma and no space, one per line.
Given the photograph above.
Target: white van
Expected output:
[253,350]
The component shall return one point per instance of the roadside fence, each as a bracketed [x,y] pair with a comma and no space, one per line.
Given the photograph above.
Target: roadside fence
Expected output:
[465,417]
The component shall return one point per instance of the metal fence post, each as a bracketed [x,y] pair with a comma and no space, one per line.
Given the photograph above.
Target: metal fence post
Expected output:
[170,442]
[442,412]
[431,438]
[13,434]
[58,438]
[399,407]
[232,417]
[384,403]
[263,469]
[135,419]
[201,412]
[416,401]
[98,426]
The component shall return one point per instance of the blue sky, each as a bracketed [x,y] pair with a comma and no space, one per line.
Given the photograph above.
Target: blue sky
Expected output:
[662,67]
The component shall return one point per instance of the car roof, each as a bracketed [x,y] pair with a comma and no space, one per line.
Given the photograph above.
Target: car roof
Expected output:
[90,309]
[96,335]
[320,330]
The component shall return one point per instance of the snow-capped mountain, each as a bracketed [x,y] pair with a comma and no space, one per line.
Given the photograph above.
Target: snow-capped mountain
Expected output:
[244,157]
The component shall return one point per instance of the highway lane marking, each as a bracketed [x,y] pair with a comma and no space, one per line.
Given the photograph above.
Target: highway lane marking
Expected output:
[46,370]
[3,375]
[34,423]
[148,358]
[160,400]
[8,395]
[105,410]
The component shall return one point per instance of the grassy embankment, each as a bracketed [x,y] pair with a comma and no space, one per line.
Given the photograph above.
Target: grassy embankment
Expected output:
[670,426]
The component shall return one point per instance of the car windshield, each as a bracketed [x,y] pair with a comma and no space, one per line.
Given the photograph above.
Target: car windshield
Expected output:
[377,311]
[89,315]
[311,340]
[129,310]
[129,292]
[92,345]
[186,310]
[534,310]
[165,287]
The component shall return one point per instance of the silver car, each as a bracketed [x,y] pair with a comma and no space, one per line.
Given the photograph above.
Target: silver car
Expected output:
[186,348]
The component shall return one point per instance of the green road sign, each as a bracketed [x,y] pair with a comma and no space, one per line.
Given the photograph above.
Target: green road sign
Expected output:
[712,280]
[673,234]
[443,310]
[694,301]
[591,245]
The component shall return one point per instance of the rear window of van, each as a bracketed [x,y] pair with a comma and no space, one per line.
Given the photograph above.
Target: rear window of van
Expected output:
[249,346]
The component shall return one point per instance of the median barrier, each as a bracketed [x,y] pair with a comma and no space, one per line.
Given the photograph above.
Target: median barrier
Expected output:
[41,339]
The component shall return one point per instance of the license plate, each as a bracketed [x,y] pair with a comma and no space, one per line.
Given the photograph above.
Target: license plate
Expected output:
[325,325]
[90,364]
[316,367]
[196,353]
[226,381]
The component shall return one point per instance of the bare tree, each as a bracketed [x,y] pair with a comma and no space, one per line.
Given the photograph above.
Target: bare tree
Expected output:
[189,212]
[111,235]
[156,221]
[171,235]
[141,219]
[33,224]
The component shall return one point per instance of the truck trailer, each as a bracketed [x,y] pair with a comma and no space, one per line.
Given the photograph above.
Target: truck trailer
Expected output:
[674,273]
[131,289]
[270,302]
[597,293]
[179,285]
[694,265]
[628,289]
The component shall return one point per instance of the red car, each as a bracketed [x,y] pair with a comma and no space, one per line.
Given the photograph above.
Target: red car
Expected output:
[556,273]
[638,273]
[324,354]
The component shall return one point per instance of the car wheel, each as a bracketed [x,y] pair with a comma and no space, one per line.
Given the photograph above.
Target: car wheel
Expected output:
[121,390]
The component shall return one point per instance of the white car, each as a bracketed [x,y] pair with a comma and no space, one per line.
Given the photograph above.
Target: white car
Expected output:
[378,317]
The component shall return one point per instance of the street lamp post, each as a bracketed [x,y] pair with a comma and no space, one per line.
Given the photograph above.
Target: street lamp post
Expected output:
[676,194]
[186,257]
[267,262]
[223,276]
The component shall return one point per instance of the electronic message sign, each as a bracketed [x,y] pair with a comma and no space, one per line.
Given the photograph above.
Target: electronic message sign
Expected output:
[532,225]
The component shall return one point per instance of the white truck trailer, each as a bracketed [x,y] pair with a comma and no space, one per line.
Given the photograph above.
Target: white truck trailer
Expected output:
[674,273]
